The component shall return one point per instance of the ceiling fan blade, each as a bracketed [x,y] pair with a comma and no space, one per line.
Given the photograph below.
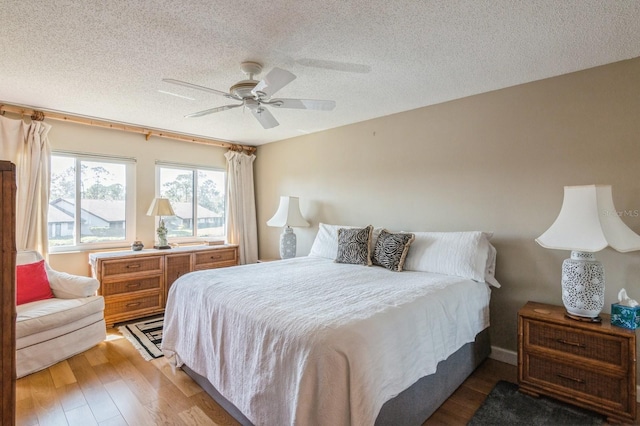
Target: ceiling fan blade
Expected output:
[212,110]
[275,80]
[265,117]
[303,104]
[195,86]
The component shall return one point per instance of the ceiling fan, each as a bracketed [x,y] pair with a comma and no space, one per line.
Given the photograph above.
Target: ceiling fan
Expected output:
[256,95]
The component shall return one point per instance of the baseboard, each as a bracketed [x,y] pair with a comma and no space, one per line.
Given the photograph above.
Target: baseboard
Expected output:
[511,357]
[504,355]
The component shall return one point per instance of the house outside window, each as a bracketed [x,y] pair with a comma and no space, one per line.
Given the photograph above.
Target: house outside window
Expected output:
[197,196]
[91,202]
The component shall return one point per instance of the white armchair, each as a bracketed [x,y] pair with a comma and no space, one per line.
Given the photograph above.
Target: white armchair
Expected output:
[51,330]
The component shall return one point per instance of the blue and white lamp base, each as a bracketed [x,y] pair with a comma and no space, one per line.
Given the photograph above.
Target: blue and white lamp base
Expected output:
[287,243]
[583,286]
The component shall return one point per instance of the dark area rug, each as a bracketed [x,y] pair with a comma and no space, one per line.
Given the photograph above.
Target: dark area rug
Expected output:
[506,406]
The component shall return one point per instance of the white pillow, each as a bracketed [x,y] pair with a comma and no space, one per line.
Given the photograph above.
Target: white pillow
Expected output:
[463,254]
[326,242]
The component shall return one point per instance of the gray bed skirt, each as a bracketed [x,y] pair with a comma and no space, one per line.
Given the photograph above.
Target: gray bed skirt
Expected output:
[412,406]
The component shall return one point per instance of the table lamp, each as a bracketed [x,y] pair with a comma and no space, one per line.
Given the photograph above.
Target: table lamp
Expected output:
[588,222]
[288,215]
[161,207]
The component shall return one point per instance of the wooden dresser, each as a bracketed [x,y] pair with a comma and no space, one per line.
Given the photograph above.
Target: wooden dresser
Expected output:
[589,365]
[135,284]
[8,292]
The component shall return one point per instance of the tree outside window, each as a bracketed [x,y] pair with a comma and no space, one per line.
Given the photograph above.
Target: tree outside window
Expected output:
[199,213]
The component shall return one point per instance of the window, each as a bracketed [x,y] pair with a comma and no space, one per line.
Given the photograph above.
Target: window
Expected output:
[91,203]
[197,196]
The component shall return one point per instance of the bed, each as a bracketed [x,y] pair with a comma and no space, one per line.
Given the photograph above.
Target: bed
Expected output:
[309,341]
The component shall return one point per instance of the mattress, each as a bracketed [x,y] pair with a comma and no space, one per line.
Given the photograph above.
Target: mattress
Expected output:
[309,341]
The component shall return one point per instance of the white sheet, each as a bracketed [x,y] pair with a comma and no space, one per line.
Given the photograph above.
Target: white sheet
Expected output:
[307,341]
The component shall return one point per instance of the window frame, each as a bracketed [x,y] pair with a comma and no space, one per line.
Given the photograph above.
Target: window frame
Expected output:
[130,201]
[194,168]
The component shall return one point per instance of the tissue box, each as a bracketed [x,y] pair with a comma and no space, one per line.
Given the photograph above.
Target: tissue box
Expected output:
[625,316]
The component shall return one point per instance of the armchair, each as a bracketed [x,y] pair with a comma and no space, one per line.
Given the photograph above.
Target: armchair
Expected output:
[51,330]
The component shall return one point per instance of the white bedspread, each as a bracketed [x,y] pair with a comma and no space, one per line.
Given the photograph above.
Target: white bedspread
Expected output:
[307,341]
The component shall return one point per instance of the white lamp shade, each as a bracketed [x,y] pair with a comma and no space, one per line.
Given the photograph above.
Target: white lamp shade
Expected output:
[588,222]
[288,213]
[160,207]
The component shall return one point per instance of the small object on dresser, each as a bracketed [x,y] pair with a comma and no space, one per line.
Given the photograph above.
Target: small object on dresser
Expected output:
[137,246]
[625,316]
[625,313]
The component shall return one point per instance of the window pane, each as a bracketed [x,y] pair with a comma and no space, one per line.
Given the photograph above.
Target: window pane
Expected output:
[102,203]
[177,186]
[210,212]
[62,202]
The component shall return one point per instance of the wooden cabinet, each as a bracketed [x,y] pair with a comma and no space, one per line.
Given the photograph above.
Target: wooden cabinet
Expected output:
[136,284]
[8,292]
[585,364]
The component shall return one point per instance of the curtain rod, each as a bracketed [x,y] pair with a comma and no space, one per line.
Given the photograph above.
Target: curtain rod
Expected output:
[41,115]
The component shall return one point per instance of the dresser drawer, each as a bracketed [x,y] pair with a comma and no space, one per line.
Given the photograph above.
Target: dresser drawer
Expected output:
[131,285]
[133,305]
[593,346]
[112,269]
[215,258]
[584,383]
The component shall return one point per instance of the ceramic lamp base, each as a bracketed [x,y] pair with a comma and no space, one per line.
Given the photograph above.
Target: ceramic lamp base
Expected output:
[583,285]
[287,243]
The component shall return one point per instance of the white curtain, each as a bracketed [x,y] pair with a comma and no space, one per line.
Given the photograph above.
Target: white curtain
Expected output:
[27,146]
[241,206]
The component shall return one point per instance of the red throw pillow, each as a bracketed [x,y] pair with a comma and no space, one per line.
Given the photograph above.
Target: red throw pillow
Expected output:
[32,283]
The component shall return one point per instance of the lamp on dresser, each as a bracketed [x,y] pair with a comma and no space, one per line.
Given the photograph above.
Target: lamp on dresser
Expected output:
[161,207]
[288,215]
[588,222]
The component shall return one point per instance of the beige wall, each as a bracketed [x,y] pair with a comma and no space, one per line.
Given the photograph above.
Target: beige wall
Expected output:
[496,162]
[94,140]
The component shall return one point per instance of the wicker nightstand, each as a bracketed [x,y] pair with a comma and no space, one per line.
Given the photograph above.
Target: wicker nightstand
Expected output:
[589,365]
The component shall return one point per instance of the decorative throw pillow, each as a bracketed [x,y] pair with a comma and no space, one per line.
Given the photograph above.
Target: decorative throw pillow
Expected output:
[32,283]
[354,245]
[391,250]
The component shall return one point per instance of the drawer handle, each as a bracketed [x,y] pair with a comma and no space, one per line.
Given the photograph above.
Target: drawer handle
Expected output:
[131,305]
[565,342]
[133,285]
[216,257]
[133,266]
[573,379]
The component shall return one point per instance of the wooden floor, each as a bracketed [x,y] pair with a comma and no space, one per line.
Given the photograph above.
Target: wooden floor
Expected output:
[111,384]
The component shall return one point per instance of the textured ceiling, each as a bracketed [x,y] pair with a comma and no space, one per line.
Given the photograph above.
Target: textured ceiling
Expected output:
[107,59]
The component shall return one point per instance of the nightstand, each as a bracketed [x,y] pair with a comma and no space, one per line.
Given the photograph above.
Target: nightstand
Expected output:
[589,365]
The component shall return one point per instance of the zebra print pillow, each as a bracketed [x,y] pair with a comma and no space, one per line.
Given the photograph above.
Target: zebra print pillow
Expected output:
[391,250]
[354,245]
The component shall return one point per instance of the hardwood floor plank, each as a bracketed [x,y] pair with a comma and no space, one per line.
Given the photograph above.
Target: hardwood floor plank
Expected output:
[98,399]
[139,386]
[178,377]
[196,417]
[115,421]
[62,374]
[96,355]
[128,404]
[46,404]
[213,410]
[71,397]
[81,416]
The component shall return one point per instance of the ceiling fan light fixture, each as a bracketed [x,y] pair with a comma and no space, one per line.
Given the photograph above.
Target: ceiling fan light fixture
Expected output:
[255,95]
